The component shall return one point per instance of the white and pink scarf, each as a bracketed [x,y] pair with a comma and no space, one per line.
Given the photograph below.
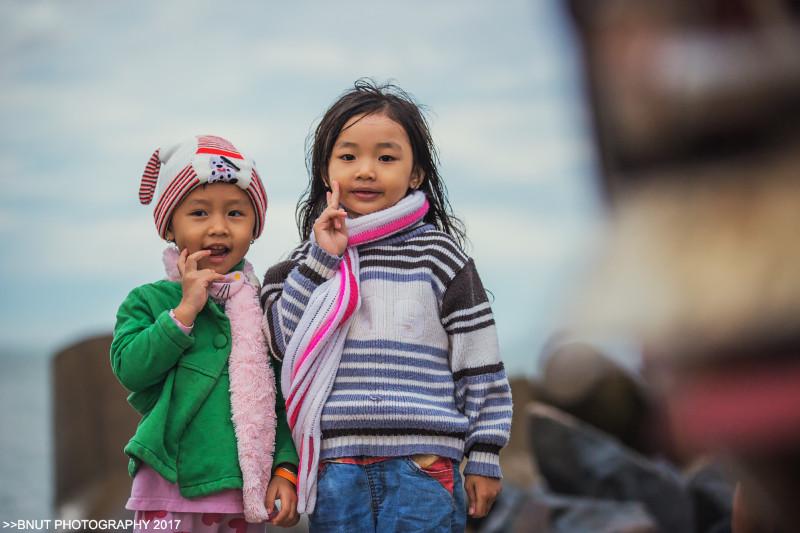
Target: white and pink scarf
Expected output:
[251,379]
[312,356]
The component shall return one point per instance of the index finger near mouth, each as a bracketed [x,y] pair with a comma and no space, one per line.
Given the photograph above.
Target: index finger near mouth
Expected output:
[192,259]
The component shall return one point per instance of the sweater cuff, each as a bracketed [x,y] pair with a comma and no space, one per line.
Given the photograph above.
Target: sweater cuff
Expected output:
[320,264]
[484,460]
[186,329]
[171,331]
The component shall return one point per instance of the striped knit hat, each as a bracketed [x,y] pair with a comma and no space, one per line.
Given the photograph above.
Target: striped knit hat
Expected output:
[174,172]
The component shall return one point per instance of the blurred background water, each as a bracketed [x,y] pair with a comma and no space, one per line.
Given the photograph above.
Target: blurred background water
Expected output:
[26,439]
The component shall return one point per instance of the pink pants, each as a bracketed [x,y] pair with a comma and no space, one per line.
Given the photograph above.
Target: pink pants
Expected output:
[169,522]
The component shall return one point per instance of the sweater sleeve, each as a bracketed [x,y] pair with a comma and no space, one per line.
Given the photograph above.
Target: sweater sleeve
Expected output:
[482,389]
[287,289]
[145,347]
[285,452]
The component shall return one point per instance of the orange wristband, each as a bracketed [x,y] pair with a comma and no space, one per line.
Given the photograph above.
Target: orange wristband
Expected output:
[287,474]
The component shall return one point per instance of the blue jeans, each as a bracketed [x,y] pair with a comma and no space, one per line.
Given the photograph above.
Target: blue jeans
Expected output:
[391,495]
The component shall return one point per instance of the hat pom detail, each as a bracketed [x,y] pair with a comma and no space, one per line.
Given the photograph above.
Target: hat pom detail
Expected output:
[148,186]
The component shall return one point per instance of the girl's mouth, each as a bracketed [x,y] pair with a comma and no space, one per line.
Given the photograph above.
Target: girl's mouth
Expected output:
[218,251]
[365,194]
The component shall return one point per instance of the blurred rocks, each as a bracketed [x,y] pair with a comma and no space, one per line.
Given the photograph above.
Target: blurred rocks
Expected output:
[711,490]
[590,515]
[582,380]
[587,480]
[535,510]
[578,460]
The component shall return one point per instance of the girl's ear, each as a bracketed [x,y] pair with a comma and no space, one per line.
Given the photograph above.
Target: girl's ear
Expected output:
[170,236]
[417,177]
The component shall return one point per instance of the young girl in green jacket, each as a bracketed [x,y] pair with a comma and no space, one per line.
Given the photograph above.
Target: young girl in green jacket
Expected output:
[212,451]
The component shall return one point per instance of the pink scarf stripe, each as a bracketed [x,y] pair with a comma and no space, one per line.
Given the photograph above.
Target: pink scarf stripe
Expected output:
[329,320]
[293,409]
[292,404]
[351,305]
[391,227]
[351,297]
[326,326]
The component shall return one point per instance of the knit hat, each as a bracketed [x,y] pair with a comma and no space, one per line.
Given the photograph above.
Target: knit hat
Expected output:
[174,172]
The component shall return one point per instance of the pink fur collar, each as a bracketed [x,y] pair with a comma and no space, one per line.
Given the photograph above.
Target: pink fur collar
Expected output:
[252,384]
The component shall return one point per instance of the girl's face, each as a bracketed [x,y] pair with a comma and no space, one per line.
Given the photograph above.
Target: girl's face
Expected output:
[373,163]
[217,217]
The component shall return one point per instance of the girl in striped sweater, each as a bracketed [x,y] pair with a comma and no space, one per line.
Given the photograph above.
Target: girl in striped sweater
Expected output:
[390,363]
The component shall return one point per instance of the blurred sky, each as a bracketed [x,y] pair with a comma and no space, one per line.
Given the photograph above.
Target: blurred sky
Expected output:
[90,89]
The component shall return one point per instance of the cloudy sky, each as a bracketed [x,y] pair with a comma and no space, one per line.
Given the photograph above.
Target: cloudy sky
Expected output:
[90,89]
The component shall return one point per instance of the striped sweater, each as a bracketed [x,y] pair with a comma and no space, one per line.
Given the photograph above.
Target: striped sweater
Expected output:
[420,371]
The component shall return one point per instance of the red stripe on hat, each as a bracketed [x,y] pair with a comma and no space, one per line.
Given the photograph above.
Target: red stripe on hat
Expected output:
[255,181]
[163,224]
[259,187]
[218,143]
[184,182]
[217,151]
[259,225]
[172,189]
[214,140]
[149,178]
[259,198]
[176,190]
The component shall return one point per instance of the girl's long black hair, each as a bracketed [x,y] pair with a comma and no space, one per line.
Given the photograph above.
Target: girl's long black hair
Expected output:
[367,97]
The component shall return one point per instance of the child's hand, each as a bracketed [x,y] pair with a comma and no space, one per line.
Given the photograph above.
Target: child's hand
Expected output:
[329,228]
[195,285]
[283,490]
[481,492]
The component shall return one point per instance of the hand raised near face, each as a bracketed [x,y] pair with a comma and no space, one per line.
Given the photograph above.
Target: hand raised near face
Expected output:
[195,285]
[329,228]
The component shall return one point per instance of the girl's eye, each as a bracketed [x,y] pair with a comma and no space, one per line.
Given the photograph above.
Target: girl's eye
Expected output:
[386,158]
[236,213]
[347,157]
[198,213]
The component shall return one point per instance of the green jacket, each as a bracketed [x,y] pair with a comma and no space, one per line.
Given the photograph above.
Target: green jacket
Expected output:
[179,384]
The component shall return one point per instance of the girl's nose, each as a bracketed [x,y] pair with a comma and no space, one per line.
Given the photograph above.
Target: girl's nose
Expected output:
[366,170]
[217,225]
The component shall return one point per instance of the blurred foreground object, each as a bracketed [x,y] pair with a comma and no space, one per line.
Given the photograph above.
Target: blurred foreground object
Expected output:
[577,460]
[686,81]
[697,118]
[91,424]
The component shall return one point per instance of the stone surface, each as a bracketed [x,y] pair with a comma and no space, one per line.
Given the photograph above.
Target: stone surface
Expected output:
[537,511]
[712,493]
[577,460]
